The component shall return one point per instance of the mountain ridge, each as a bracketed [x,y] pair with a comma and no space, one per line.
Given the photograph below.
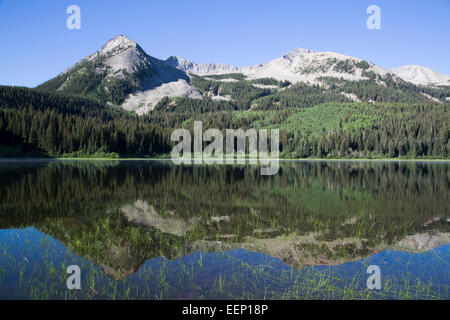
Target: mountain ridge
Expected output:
[421,75]
[122,73]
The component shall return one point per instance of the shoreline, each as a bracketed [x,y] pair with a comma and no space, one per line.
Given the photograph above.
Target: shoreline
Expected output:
[3,160]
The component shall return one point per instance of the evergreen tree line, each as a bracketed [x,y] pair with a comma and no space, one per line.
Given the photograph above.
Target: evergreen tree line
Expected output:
[36,195]
[90,79]
[58,134]
[245,95]
[412,131]
[58,124]
[405,138]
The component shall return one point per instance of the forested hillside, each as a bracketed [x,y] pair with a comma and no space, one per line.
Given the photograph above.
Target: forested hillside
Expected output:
[86,80]
[343,119]
[57,124]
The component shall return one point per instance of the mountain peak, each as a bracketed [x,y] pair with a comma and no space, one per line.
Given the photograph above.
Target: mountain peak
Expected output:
[177,61]
[296,52]
[117,44]
[120,39]
[421,75]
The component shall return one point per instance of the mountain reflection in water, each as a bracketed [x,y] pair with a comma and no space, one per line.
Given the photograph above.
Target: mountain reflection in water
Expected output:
[148,229]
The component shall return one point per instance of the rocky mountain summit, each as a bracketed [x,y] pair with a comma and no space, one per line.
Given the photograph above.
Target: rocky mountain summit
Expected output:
[422,76]
[121,73]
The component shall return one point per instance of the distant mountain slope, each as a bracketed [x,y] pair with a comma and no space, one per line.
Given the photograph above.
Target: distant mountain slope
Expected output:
[302,65]
[201,68]
[299,65]
[122,74]
[422,76]
[118,71]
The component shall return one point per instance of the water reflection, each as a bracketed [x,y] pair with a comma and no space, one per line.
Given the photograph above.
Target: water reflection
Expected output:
[118,215]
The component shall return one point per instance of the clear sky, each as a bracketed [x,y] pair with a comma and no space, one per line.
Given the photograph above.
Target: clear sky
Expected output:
[36,44]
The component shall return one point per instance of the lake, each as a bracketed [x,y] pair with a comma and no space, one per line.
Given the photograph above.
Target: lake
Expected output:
[154,230]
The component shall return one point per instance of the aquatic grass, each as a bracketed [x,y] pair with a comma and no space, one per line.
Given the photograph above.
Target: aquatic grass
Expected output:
[333,202]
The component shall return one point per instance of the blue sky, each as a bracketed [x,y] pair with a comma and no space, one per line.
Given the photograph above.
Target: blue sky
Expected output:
[36,45]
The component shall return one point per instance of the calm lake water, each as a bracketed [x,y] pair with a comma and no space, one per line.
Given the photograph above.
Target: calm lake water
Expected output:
[153,230]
